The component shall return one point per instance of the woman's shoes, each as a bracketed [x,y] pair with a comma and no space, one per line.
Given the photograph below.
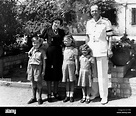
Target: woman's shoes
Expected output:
[57,96]
[49,99]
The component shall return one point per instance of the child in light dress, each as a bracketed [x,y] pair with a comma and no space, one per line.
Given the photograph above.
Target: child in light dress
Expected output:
[36,68]
[86,71]
[69,67]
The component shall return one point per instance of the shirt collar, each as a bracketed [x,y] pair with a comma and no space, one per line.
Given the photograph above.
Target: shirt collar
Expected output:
[37,50]
[70,47]
[98,20]
[88,56]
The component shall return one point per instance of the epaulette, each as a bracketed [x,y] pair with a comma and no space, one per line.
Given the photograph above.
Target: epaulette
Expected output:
[105,18]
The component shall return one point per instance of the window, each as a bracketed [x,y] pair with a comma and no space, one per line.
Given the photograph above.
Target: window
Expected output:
[133,16]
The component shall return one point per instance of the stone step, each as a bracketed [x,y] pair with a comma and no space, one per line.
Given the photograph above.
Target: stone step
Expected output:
[123,80]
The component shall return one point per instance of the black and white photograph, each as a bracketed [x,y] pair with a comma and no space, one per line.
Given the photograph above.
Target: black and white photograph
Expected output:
[68,54]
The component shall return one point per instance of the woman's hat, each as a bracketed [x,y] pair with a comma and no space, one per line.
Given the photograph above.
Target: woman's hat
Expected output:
[58,18]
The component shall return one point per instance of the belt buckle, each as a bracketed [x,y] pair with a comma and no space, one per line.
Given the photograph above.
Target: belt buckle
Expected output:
[96,40]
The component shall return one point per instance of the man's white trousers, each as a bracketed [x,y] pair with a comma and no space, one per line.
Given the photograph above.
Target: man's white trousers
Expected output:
[101,87]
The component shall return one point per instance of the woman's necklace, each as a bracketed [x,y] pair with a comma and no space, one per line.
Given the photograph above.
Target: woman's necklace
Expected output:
[55,32]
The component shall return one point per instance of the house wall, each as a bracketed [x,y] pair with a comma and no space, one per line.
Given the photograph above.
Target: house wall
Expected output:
[125,18]
[131,29]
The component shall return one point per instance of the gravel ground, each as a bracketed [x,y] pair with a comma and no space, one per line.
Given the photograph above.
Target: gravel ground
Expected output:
[17,96]
[13,96]
[14,100]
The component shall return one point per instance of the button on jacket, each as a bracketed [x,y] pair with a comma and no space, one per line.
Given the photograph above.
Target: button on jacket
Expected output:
[36,56]
[97,32]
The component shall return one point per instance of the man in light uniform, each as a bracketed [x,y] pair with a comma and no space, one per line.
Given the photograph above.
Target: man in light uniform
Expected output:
[99,31]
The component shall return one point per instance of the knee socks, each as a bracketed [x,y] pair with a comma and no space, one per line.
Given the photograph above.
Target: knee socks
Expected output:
[69,93]
[34,92]
[40,93]
[69,89]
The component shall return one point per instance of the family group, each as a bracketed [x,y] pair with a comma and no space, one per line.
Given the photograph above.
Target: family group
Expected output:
[61,61]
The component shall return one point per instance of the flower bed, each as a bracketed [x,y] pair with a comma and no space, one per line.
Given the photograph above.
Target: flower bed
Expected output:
[123,50]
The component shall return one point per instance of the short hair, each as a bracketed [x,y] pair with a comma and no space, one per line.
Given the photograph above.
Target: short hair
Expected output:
[95,4]
[37,38]
[85,47]
[70,37]
[58,18]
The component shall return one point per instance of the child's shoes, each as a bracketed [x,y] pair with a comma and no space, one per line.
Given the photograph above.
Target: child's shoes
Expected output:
[66,99]
[40,101]
[88,101]
[83,100]
[71,99]
[32,100]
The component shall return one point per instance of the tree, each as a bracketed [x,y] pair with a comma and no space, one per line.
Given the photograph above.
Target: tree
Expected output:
[8,23]
[77,12]
[34,15]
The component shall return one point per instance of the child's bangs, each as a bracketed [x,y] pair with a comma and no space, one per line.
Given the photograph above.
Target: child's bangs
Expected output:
[40,40]
[67,39]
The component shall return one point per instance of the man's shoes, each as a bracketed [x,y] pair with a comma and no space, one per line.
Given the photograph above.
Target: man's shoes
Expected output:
[104,101]
[40,101]
[66,99]
[32,100]
[71,99]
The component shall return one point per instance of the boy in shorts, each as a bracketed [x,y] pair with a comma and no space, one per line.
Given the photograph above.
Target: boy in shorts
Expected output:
[36,68]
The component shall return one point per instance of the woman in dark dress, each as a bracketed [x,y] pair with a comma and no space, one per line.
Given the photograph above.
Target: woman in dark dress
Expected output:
[53,70]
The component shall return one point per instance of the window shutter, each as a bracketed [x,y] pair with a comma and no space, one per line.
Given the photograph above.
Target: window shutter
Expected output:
[133,16]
